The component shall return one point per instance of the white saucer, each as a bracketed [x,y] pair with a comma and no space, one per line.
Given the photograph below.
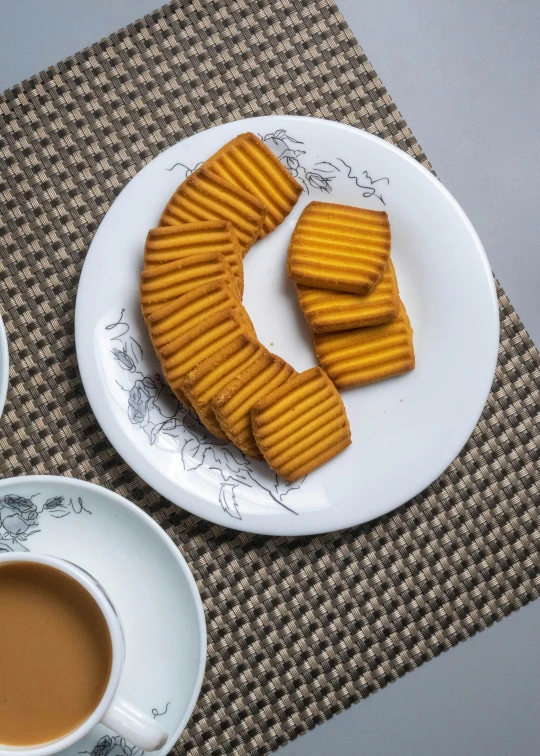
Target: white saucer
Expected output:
[4,365]
[147,579]
[405,431]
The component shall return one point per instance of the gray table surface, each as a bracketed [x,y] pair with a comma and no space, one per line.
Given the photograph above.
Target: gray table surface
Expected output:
[465,74]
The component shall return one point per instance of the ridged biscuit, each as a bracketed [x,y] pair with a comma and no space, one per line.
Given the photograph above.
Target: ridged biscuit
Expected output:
[205,196]
[179,315]
[162,283]
[366,355]
[182,355]
[214,374]
[301,425]
[339,247]
[247,162]
[169,244]
[232,406]
[327,310]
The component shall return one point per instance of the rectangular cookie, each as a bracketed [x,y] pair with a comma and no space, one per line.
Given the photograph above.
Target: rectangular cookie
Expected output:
[327,310]
[162,283]
[169,244]
[205,196]
[233,404]
[184,353]
[179,315]
[339,247]
[301,425]
[248,163]
[366,355]
[214,374]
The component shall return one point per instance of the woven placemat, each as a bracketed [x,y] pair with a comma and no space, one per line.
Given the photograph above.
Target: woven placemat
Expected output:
[298,628]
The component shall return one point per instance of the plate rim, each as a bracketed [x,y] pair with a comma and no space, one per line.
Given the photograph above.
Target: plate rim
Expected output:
[273,525]
[173,549]
[4,360]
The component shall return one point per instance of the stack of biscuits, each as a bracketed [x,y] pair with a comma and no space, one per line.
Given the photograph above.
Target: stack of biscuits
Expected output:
[191,298]
[339,257]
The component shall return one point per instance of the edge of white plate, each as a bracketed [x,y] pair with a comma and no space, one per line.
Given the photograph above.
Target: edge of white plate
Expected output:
[126,504]
[4,361]
[264,524]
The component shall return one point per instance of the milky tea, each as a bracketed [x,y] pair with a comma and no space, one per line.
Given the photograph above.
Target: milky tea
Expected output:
[55,654]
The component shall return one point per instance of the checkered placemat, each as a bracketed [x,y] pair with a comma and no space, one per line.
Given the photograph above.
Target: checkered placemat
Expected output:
[298,628]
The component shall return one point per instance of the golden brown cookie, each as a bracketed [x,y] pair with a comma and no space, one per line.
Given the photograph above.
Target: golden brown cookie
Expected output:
[184,353]
[365,355]
[301,425]
[205,196]
[327,310]
[214,374]
[247,162]
[339,247]
[233,404]
[179,315]
[162,283]
[169,244]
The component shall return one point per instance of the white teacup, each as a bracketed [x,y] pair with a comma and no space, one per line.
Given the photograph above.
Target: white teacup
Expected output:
[113,711]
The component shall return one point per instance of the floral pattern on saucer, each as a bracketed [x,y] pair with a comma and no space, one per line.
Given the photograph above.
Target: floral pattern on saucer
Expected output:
[115,745]
[20,517]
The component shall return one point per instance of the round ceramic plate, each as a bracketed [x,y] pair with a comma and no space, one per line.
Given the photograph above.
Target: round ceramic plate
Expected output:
[147,579]
[4,366]
[405,431]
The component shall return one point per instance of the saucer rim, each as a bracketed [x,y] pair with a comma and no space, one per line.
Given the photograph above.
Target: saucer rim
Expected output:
[175,551]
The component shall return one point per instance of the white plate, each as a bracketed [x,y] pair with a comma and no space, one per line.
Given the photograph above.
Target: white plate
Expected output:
[4,366]
[405,431]
[145,575]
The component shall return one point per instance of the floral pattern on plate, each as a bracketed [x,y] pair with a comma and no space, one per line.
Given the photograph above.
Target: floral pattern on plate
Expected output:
[319,176]
[153,409]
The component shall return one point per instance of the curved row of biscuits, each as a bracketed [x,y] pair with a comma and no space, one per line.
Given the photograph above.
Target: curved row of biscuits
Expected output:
[191,290]
[218,368]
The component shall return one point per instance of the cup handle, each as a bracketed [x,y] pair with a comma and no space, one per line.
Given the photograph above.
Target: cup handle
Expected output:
[135,726]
